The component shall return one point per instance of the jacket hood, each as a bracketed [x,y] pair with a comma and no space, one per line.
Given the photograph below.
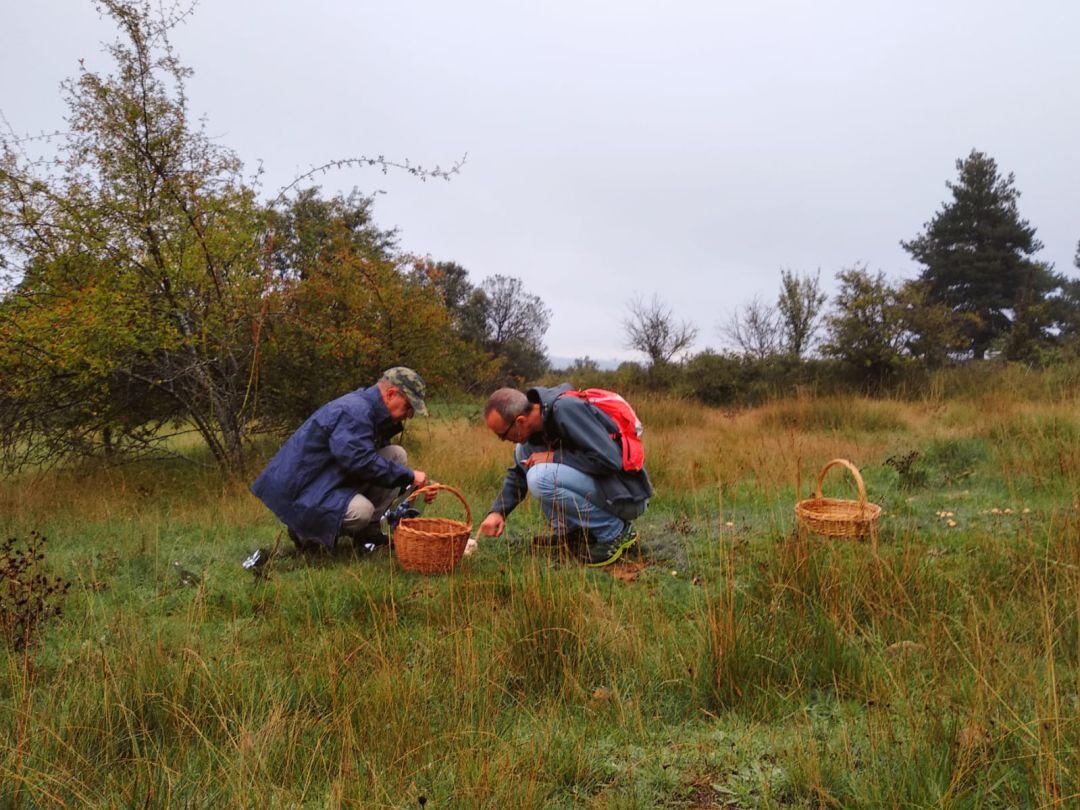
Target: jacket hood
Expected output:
[546,396]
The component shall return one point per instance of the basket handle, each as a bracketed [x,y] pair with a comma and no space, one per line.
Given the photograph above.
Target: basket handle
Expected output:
[843,462]
[452,491]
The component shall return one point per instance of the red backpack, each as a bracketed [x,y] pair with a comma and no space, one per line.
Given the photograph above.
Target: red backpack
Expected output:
[630,427]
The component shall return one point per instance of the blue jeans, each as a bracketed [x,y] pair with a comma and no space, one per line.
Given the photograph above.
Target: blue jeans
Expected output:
[564,495]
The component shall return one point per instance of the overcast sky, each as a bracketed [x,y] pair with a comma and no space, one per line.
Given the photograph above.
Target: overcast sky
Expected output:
[686,149]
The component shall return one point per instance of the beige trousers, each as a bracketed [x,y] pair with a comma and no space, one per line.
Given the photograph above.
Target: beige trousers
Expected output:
[369,504]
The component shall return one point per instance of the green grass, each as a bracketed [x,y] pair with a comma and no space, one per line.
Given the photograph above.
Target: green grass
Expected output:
[745,666]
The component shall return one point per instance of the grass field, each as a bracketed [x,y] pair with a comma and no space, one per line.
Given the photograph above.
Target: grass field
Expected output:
[744,666]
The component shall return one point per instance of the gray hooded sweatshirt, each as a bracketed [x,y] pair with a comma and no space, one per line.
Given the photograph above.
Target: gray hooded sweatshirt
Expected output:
[580,435]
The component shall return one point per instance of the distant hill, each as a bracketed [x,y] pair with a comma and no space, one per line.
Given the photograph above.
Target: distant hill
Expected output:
[565,362]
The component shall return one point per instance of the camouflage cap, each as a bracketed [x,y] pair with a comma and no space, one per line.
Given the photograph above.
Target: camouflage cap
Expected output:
[410,384]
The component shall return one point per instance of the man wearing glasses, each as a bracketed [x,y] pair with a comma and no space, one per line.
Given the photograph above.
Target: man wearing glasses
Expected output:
[568,455]
[338,472]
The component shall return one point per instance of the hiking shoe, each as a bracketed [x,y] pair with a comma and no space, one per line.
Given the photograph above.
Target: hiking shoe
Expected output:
[552,540]
[603,553]
[370,535]
[306,546]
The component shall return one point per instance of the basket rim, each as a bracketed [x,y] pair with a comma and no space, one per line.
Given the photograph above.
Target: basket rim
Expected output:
[452,527]
[806,503]
[856,514]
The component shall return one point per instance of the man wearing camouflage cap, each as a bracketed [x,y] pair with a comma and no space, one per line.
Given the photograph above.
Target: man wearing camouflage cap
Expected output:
[338,472]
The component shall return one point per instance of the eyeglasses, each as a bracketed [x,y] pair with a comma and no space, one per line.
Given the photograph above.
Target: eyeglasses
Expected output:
[502,436]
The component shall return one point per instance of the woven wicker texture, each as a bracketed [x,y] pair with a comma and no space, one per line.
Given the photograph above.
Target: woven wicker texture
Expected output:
[432,545]
[839,517]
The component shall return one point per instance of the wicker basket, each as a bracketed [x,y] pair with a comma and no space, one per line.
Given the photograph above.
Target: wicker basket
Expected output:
[838,517]
[432,545]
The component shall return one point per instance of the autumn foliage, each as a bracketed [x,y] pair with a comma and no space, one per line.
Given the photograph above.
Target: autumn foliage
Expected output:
[147,291]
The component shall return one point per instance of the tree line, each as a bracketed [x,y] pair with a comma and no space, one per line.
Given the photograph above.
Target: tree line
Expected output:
[981,293]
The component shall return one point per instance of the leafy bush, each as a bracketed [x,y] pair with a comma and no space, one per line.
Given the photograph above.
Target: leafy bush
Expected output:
[728,379]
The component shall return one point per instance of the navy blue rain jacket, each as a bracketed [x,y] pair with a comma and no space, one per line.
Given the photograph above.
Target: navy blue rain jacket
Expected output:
[309,482]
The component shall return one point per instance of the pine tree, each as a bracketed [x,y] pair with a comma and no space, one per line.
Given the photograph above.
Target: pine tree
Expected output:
[977,253]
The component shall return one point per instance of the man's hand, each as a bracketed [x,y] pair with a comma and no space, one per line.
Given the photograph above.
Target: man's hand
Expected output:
[538,458]
[420,479]
[493,525]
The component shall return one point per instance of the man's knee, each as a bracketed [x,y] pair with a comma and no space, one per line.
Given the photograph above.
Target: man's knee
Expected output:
[542,481]
[358,513]
[395,453]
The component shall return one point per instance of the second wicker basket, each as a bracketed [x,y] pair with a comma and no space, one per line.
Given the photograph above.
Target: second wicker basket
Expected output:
[839,517]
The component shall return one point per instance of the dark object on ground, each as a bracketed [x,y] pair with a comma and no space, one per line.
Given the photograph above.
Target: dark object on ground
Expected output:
[256,560]
[187,578]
